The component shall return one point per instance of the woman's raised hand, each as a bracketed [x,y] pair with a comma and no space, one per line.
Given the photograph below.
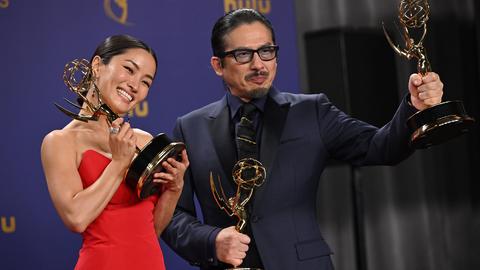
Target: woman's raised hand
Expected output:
[122,141]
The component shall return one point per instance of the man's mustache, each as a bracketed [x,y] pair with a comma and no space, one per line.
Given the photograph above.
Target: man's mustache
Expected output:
[256,73]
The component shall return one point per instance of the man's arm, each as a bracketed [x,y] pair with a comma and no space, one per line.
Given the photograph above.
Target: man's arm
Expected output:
[186,234]
[362,144]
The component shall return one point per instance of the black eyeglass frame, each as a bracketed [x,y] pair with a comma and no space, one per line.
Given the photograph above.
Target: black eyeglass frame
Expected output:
[251,51]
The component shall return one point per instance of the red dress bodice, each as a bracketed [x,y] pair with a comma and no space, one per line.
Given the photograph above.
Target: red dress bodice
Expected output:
[123,235]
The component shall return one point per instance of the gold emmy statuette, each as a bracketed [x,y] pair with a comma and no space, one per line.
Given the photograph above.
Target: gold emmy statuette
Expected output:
[78,77]
[443,121]
[248,174]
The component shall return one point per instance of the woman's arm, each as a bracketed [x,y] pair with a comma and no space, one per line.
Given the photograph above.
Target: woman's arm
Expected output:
[76,206]
[172,180]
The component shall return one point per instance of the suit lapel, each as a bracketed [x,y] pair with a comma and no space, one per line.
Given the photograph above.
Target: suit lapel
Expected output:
[276,112]
[220,130]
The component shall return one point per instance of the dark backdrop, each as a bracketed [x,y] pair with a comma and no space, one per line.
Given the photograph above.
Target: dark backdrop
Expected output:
[424,212]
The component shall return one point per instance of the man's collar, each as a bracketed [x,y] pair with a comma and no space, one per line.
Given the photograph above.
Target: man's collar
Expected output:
[234,103]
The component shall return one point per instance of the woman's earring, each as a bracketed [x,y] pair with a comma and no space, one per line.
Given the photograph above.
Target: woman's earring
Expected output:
[94,81]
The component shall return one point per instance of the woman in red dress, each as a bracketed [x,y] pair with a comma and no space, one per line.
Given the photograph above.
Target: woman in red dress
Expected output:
[85,164]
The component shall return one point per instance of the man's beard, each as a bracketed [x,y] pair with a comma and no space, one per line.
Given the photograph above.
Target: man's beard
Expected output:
[257,93]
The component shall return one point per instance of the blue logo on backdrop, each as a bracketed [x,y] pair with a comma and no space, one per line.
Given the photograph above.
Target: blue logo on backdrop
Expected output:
[4,3]
[140,110]
[8,226]
[121,6]
[262,6]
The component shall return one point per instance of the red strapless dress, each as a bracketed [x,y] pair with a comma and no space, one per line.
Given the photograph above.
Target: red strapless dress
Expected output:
[123,235]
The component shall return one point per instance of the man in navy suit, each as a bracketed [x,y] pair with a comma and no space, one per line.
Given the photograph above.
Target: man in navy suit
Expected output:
[296,135]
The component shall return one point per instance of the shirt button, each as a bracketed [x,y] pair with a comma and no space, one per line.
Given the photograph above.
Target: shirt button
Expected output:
[255,218]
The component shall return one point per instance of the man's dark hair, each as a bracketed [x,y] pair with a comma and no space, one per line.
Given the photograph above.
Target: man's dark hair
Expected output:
[232,20]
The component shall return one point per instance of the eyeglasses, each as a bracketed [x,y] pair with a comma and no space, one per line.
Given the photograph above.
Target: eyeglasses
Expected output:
[243,56]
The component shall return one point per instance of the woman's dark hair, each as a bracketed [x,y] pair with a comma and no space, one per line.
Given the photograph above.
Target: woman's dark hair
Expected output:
[118,44]
[232,20]
[115,45]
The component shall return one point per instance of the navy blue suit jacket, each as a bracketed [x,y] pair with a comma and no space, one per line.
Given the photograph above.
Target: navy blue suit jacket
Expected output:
[299,134]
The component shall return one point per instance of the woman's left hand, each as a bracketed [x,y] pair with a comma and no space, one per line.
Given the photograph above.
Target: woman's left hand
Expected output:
[172,177]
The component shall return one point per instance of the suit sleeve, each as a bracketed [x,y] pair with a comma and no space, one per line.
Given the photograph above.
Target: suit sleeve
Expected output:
[186,234]
[360,143]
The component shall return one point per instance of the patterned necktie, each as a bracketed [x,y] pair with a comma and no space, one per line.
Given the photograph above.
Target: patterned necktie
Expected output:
[247,148]
[246,135]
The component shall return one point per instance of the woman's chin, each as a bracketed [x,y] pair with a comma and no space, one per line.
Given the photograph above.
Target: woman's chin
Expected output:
[122,109]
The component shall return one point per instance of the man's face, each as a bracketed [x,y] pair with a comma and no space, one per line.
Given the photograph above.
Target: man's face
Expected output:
[252,79]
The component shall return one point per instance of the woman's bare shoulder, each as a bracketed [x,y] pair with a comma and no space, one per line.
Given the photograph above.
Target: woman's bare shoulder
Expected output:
[63,136]
[67,135]
[67,139]
[143,137]
[59,147]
